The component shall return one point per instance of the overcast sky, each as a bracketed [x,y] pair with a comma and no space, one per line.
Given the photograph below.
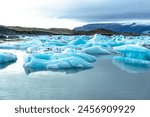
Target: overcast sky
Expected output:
[71,13]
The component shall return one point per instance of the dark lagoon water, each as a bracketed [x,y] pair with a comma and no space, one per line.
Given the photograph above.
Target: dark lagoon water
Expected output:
[107,80]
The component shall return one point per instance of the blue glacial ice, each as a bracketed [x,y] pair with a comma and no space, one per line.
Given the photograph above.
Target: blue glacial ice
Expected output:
[68,59]
[131,65]
[35,64]
[7,57]
[57,51]
[96,50]
[78,42]
[134,58]
[134,51]
[107,41]
[4,65]
[66,53]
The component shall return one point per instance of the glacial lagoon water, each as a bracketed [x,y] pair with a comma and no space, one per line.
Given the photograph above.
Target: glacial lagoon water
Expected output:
[107,80]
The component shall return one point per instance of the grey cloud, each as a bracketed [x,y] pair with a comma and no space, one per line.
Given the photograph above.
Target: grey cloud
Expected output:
[100,10]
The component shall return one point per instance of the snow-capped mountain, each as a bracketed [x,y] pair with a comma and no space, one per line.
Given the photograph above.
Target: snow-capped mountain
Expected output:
[117,27]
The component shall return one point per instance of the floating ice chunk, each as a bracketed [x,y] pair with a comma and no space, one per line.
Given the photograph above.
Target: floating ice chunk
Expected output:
[131,65]
[98,38]
[45,56]
[68,59]
[4,65]
[69,62]
[66,53]
[77,42]
[104,41]
[7,46]
[35,64]
[134,51]
[33,49]
[118,38]
[71,52]
[95,50]
[7,57]
[26,44]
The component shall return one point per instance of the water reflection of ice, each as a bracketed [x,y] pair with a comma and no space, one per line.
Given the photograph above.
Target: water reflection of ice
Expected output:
[4,65]
[66,71]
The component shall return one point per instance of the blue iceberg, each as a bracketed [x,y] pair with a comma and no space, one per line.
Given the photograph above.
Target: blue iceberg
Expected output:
[96,50]
[131,65]
[36,64]
[134,58]
[68,59]
[7,57]
[66,53]
[78,42]
[105,41]
[134,52]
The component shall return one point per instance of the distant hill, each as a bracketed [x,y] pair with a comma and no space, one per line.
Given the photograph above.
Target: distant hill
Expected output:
[13,30]
[7,31]
[97,31]
[117,27]
[16,30]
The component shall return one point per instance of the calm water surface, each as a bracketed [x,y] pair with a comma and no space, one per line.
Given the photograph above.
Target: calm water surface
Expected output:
[105,81]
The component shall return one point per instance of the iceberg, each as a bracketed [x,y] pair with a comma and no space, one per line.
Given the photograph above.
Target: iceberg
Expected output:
[66,53]
[35,64]
[131,65]
[68,59]
[105,41]
[7,57]
[4,65]
[77,42]
[99,38]
[95,50]
[134,51]
[134,58]
[79,54]
[79,51]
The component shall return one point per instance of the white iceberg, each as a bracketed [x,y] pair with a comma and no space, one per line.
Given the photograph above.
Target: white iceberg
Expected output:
[95,50]
[7,57]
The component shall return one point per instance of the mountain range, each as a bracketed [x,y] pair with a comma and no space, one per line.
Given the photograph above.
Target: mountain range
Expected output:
[117,27]
[89,29]
[16,30]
